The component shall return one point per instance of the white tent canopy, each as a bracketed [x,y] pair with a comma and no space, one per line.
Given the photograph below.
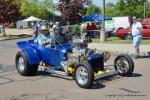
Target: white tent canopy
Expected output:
[31,18]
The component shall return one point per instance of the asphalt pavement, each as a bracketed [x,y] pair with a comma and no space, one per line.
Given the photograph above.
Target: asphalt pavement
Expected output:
[42,86]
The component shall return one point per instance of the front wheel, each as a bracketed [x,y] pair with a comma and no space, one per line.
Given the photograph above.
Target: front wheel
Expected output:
[23,66]
[124,65]
[84,75]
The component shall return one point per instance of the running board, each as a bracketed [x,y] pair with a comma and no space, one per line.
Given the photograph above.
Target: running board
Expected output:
[53,71]
[105,73]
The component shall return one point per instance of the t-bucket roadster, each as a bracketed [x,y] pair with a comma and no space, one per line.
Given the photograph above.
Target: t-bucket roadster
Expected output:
[83,64]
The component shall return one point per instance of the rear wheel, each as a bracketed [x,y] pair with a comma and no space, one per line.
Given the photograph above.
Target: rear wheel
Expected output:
[84,75]
[128,37]
[124,65]
[23,66]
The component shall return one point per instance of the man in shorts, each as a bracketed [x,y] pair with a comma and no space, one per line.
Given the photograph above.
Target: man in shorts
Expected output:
[137,35]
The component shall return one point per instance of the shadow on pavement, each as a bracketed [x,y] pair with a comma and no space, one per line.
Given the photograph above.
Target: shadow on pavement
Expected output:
[147,56]
[129,91]
[97,85]
[141,56]
[136,75]
[42,73]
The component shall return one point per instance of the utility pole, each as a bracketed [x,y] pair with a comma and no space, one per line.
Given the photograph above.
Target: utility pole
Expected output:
[145,9]
[54,14]
[102,32]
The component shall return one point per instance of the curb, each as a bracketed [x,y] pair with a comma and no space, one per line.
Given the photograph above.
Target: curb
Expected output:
[128,53]
[117,49]
[5,39]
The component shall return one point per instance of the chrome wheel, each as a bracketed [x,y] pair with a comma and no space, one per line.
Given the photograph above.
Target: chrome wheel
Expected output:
[21,64]
[82,75]
[122,65]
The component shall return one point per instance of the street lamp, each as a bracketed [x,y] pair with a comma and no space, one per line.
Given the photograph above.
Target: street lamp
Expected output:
[102,32]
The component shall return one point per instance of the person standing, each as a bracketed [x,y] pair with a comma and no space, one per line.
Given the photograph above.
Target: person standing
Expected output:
[88,28]
[93,27]
[68,28]
[57,32]
[37,29]
[137,35]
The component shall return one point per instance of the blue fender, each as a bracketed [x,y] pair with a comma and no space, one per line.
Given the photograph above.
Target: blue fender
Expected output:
[30,52]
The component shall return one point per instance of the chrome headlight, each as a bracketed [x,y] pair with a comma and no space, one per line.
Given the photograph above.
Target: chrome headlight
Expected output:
[106,55]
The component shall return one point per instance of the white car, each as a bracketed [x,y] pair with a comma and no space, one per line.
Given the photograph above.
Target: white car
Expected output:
[22,24]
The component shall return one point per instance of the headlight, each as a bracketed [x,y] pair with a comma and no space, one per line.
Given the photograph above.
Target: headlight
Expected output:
[106,55]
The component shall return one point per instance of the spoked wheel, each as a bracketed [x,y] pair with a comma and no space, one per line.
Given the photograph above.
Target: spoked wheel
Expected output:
[23,66]
[84,75]
[124,65]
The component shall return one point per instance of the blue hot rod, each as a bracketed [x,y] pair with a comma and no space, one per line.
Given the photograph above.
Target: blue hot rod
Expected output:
[76,60]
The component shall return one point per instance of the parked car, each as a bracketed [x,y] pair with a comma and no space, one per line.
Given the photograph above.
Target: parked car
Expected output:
[126,33]
[71,60]
[114,24]
[146,23]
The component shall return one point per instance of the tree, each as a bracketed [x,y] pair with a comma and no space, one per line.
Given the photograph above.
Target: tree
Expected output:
[92,8]
[9,11]
[72,10]
[40,8]
[111,9]
[131,7]
[127,8]
[147,10]
[109,4]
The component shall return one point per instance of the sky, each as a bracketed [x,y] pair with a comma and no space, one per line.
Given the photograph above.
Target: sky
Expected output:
[98,2]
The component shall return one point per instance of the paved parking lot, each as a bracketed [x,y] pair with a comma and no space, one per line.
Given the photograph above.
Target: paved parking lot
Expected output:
[42,86]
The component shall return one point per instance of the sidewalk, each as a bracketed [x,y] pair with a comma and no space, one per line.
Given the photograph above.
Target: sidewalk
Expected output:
[19,31]
[120,48]
[112,48]
[17,34]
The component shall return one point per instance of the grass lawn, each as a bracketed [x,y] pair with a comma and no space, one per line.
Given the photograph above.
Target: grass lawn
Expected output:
[10,36]
[117,40]
[14,36]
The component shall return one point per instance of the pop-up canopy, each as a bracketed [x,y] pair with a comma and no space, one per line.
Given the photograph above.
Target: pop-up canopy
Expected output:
[32,18]
[94,17]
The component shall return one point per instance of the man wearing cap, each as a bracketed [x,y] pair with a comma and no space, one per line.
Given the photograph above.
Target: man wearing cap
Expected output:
[44,38]
[137,35]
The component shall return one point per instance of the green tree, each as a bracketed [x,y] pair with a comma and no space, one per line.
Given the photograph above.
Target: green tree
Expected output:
[148,10]
[92,8]
[73,10]
[131,7]
[39,8]
[111,10]
[127,8]
[9,11]
[110,4]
